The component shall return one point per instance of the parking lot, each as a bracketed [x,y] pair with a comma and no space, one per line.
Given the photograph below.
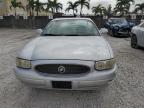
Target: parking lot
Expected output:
[126,91]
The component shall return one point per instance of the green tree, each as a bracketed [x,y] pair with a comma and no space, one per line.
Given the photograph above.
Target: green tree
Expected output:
[58,6]
[16,4]
[83,3]
[121,10]
[47,6]
[30,7]
[55,6]
[140,8]
[98,10]
[108,11]
[123,6]
[38,7]
[72,6]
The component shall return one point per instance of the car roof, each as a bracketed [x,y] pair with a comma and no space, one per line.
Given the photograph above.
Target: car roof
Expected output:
[116,18]
[72,19]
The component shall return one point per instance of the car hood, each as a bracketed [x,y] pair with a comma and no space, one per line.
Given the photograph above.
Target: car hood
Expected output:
[62,47]
[122,25]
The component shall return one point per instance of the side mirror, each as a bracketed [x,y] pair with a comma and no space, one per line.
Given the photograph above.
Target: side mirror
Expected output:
[39,31]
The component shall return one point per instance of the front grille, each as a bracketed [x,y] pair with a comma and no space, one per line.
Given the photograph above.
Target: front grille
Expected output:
[124,29]
[62,69]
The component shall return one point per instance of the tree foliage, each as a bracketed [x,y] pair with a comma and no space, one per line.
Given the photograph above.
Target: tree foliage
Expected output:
[72,6]
[98,10]
[83,3]
[15,4]
[123,6]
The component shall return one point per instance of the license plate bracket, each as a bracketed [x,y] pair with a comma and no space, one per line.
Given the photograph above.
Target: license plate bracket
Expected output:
[62,84]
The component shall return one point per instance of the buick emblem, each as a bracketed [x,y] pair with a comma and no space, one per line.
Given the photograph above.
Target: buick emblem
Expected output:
[61,69]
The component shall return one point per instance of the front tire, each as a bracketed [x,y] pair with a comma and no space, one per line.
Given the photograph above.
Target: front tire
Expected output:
[134,43]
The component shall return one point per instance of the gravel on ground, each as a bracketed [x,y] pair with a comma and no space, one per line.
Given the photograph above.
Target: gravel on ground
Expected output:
[126,91]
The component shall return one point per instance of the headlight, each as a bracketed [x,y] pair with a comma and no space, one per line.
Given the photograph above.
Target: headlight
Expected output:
[22,63]
[105,65]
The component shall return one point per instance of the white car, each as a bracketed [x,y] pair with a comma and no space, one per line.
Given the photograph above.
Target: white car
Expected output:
[137,37]
[142,20]
[69,54]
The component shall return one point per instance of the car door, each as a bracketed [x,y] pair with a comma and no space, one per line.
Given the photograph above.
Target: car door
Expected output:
[141,35]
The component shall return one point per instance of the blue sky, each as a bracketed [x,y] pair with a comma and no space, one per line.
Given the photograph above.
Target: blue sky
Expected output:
[94,3]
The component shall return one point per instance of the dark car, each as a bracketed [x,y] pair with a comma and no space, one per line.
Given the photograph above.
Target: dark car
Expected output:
[119,27]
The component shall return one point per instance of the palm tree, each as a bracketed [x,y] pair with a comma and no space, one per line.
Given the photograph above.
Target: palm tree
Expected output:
[123,6]
[58,6]
[47,6]
[38,6]
[55,6]
[121,10]
[108,11]
[72,6]
[98,10]
[140,7]
[16,4]
[30,7]
[83,3]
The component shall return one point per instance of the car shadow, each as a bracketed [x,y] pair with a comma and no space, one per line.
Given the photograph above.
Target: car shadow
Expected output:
[120,36]
[141,48]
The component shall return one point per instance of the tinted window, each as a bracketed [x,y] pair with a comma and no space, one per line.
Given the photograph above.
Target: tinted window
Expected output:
[71,28]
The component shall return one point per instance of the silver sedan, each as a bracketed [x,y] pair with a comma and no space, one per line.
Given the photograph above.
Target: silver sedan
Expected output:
[70,54]
[137,36]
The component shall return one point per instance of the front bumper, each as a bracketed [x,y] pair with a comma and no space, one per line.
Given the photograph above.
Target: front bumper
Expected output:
[123,32]
[84,82]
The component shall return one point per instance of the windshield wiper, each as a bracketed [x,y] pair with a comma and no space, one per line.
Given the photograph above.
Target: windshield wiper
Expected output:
[60,35]
[50,35]
[71,35]
[65,35]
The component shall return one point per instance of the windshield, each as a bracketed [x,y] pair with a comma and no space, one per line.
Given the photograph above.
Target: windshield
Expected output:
[119,21]
[76,27]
